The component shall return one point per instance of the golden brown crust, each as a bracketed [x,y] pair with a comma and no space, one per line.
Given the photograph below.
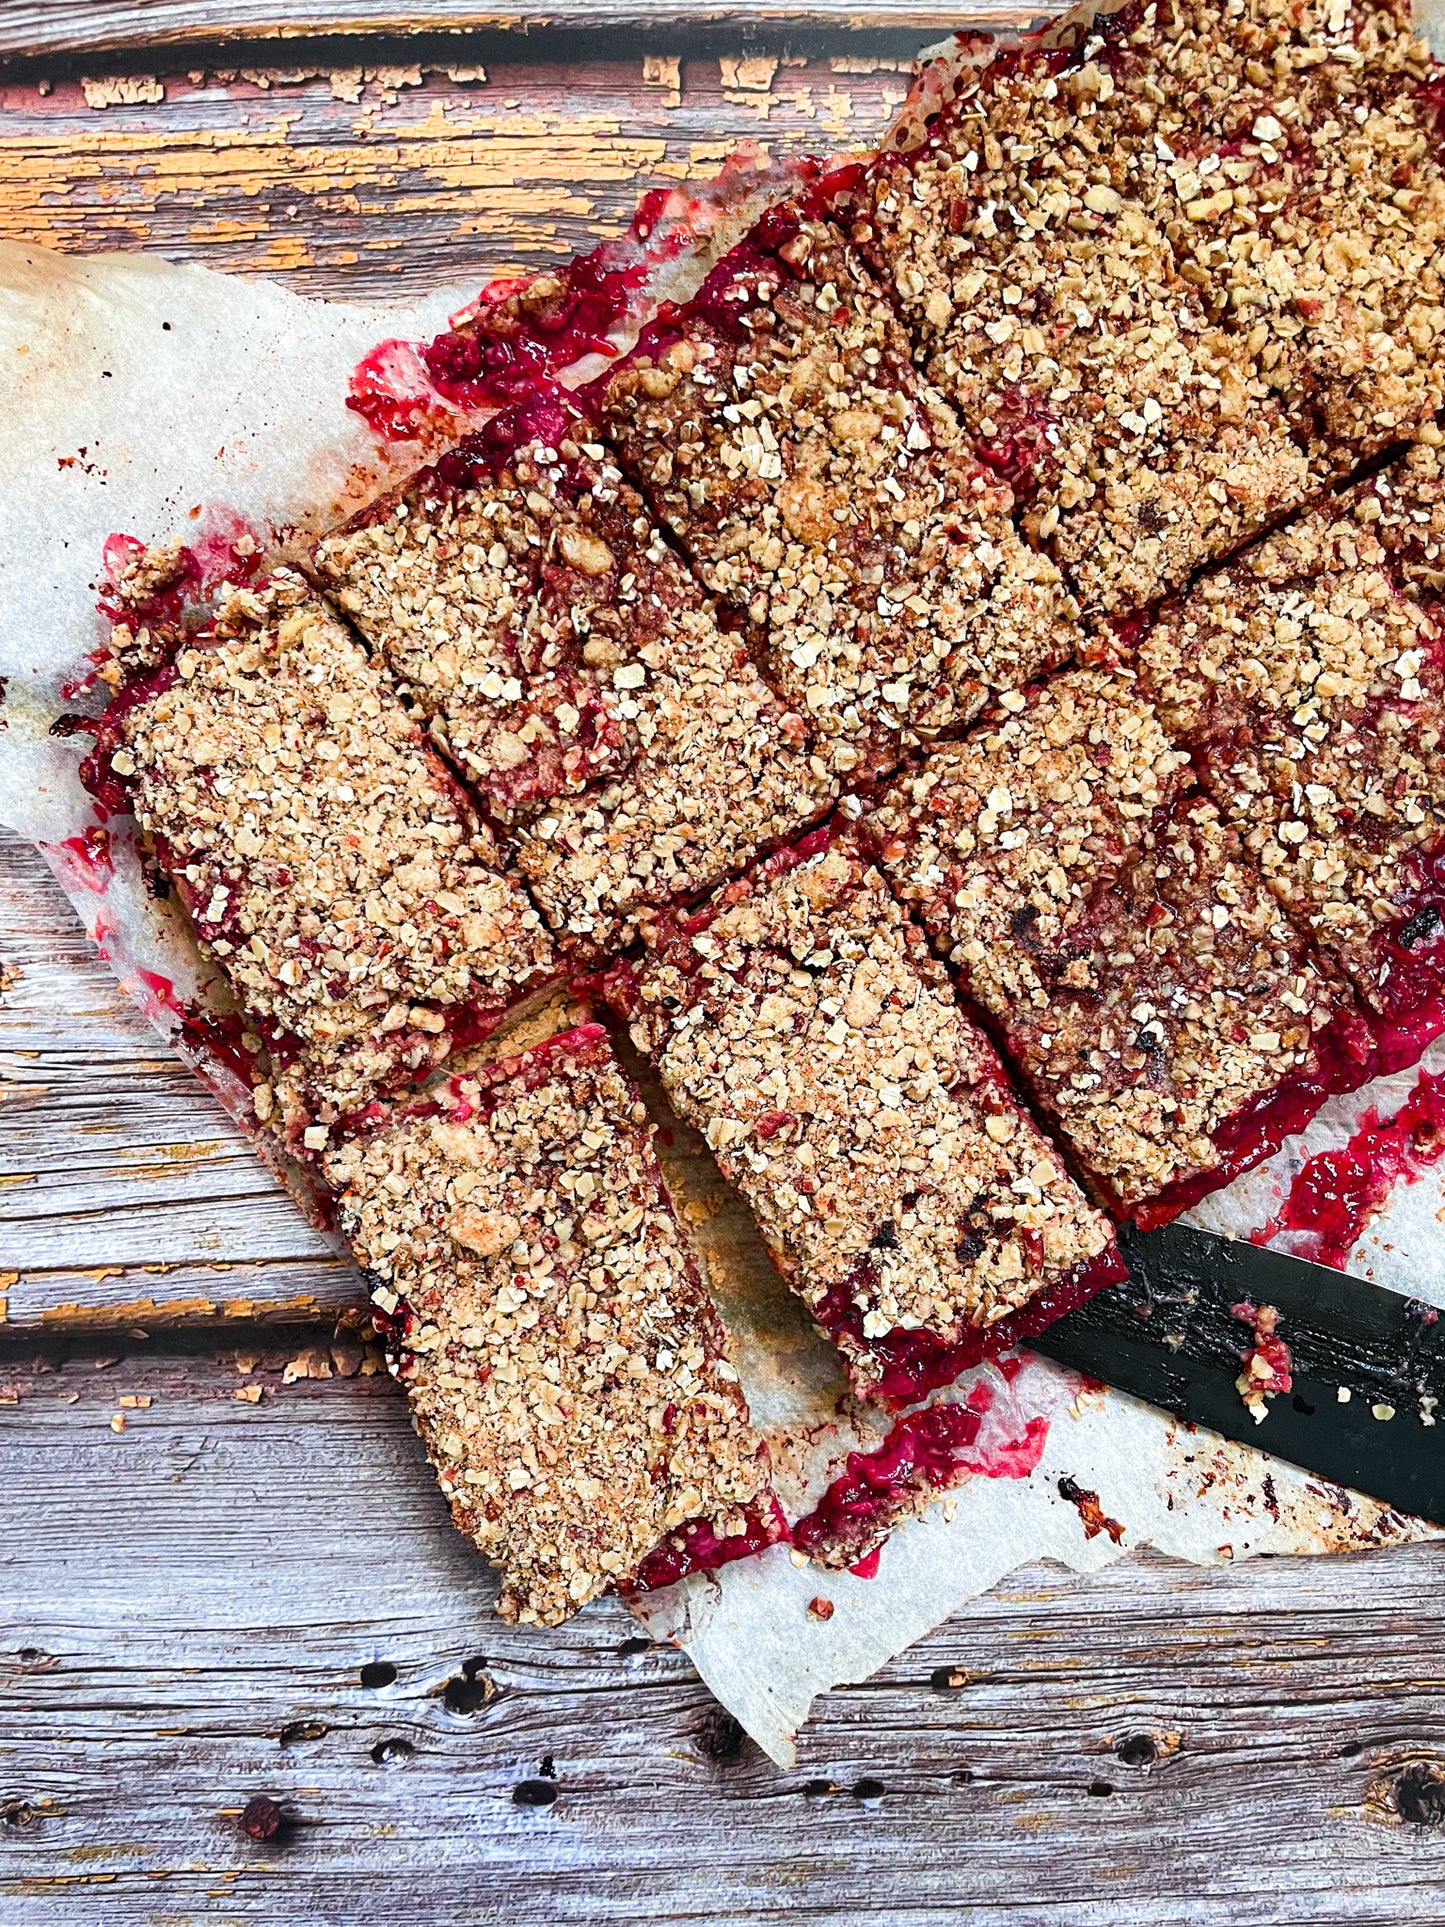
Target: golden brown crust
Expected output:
[565,1367]
[810,1038]
[330,864]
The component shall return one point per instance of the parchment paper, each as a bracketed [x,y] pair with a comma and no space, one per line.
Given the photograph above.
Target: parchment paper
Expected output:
[159,401]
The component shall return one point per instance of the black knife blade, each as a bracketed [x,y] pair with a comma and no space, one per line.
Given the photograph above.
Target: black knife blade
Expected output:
[1169,1335]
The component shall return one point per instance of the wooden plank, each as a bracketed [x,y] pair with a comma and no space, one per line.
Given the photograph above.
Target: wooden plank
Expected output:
[187,1631]
[127,1196]
[419,180]
[44,27]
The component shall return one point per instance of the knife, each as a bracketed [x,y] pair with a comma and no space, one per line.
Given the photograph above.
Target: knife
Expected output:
[1168,1334]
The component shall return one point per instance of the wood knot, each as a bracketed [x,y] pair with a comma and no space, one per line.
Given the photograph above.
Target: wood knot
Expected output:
[1419,1796]
[720,1736]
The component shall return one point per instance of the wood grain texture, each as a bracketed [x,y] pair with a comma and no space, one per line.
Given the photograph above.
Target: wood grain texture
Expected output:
[230,1568]
[127,1196]
[420,181]
[31,27]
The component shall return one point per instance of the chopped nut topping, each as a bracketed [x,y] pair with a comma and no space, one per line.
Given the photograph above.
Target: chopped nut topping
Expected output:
[1144,979]
[780,430]
[565,1367]
[1313,688]
[802,1027]
[1176,271]
[567,659]
[328,861]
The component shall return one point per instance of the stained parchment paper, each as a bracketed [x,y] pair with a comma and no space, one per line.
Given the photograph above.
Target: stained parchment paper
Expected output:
[164,401]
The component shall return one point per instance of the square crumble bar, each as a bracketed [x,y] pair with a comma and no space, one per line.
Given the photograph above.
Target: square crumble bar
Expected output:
[1310,685]
[328,860]
[576,672]
[801,1026]
[1155,997]
[782,433]
[565,1367]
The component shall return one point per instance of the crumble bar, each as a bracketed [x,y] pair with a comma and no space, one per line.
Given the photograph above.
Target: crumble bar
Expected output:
[1311,689]
[799,1023]
[565,1366]
[1146,983]
[576,672]
[781,432]
[328,861]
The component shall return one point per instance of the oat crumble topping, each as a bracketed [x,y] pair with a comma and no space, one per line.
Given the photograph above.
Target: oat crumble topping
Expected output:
[1176,275]
[1146,983]
[328,861]
[1313,690]
[565,1366]
[577,672]
[801,1026]
[815,480]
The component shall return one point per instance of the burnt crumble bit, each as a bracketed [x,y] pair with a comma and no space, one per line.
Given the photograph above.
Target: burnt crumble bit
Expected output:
[576,672]
[1041,285]
[799,1023]
[781,432]
[565,1367]
[1146,983]
[328,861]
[1312,691]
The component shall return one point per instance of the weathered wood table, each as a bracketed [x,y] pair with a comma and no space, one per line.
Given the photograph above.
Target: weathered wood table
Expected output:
[247,1672]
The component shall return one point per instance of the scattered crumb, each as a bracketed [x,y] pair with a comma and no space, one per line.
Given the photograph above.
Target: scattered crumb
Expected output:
[820,1608]
[1266,1364]
[248,1394]
[117,1422]
[134,1401]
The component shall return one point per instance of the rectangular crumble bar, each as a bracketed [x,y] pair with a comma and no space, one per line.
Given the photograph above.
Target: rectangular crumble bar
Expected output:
[782,433]
[1177,269]
[575,670]
[1153,994]
[799,1023]
[1310,686]
[565,1366]
[1048,307]
[328,861]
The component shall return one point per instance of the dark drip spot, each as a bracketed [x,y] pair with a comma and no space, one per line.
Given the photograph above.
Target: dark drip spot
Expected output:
[869,1792]
[534,1793]
[392,1751]
[1100,1789]
[19,1813]
[378,1672]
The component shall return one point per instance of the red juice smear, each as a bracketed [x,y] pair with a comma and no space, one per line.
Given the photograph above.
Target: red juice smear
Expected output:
[700,1547]
[87,859]
[1267,1364]
[925,1454]
[519,332]
[1337,1193]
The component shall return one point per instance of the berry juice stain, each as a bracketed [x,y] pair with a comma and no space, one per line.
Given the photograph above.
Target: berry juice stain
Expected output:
[1337,1194]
